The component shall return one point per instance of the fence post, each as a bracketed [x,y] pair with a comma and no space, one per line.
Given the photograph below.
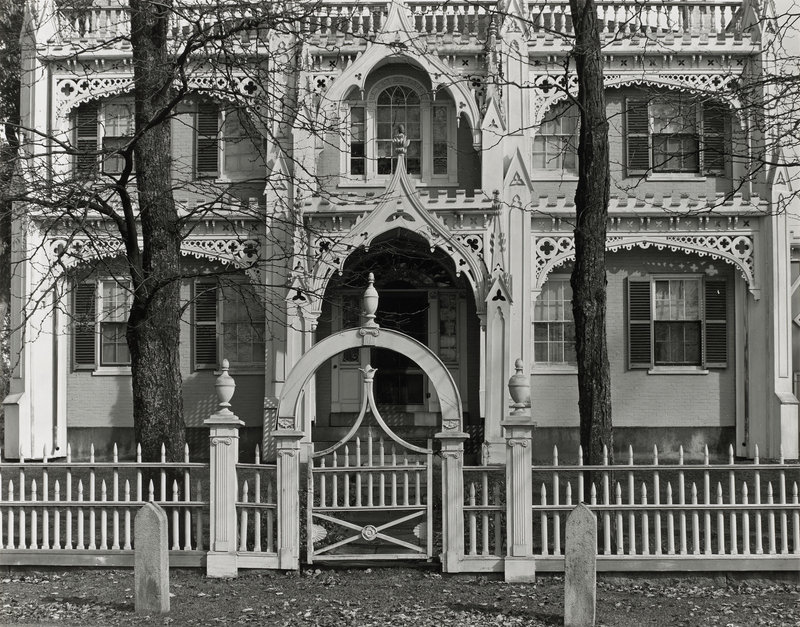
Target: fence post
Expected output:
[520,565]
[452,500]
[287,444]
[224,453]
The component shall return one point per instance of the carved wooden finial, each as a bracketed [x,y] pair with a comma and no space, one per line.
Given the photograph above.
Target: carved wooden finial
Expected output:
[369,302]
[225,387]
[519,386]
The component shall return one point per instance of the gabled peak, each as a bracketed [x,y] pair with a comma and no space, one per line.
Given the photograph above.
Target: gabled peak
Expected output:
[515,18]
[493,118]
[500,292]
[517,174]
[398,26]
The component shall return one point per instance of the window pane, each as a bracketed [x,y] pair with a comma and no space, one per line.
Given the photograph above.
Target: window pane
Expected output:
[439,124]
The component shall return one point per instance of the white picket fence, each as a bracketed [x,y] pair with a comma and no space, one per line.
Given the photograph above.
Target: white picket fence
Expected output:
[256,511]
[678,516]
[651,515]
[81,513]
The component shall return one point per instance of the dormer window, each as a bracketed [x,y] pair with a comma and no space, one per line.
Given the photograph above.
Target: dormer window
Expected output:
[429,126]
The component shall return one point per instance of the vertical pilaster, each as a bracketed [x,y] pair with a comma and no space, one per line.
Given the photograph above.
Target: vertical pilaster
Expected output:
[520,565]
[452,500]
[224,453]
[287,443]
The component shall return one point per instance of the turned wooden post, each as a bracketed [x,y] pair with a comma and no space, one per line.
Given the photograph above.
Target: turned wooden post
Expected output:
[224,453]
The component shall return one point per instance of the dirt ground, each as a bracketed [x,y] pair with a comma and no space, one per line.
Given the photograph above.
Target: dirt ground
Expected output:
[388,596]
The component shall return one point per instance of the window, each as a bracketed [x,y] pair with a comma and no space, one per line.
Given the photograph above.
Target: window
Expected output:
[225,144]
[398,107]
[556,142]
[358,153]
[117,127]
[674,134]
[100,319]
[228,323]
[371,125]
[101,129]
[553,327]
[677,321]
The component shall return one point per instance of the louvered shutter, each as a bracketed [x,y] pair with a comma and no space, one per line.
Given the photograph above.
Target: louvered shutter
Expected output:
[205,325]
[714,140]
[86,137]
[716,324]
[84,316]
[640,328]
[207,157]
[637,136]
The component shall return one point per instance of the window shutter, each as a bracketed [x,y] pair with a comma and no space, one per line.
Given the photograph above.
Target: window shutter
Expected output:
[639,324]
[86,137]
[84,315]
[637,136]
[714,140]
[207,139]
[205,324]
[716,324]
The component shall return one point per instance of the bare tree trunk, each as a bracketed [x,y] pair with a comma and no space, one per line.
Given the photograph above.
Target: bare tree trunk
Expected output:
[154,325]
[589,273]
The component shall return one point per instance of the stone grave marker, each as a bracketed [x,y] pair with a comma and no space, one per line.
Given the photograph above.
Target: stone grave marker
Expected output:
[151,560]
[580,568]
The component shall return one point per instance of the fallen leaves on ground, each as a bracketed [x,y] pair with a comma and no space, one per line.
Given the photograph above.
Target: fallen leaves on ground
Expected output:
[389,596]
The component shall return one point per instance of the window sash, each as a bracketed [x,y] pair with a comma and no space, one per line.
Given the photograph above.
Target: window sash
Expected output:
[553,326]
[677,343]
[555,144]
[115,305]
[113,344]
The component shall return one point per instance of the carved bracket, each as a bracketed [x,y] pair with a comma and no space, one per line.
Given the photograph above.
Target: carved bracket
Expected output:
[243,254]
[737,250]
[70,92]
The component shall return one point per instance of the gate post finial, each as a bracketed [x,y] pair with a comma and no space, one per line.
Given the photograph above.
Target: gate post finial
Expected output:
[519,387]
[369,302]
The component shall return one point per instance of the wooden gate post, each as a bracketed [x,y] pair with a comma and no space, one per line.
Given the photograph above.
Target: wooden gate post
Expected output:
[224,453]
[287,444]
[520,565]
[452,500]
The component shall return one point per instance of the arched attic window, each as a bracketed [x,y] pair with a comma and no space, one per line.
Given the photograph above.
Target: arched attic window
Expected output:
[399,107]
[429,124]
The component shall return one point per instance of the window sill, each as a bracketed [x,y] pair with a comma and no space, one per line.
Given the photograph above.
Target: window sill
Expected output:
[380,181]
[553,177]
[677,370]
[112,371]
[554,369]
[686,177]
[240,371]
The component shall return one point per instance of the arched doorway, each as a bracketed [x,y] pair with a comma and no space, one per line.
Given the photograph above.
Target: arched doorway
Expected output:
[422,296]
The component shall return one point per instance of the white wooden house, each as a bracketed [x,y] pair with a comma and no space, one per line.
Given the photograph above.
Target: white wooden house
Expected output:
[470,239]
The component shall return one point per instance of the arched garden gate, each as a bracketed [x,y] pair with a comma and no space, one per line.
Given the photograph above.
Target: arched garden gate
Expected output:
[374,493]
